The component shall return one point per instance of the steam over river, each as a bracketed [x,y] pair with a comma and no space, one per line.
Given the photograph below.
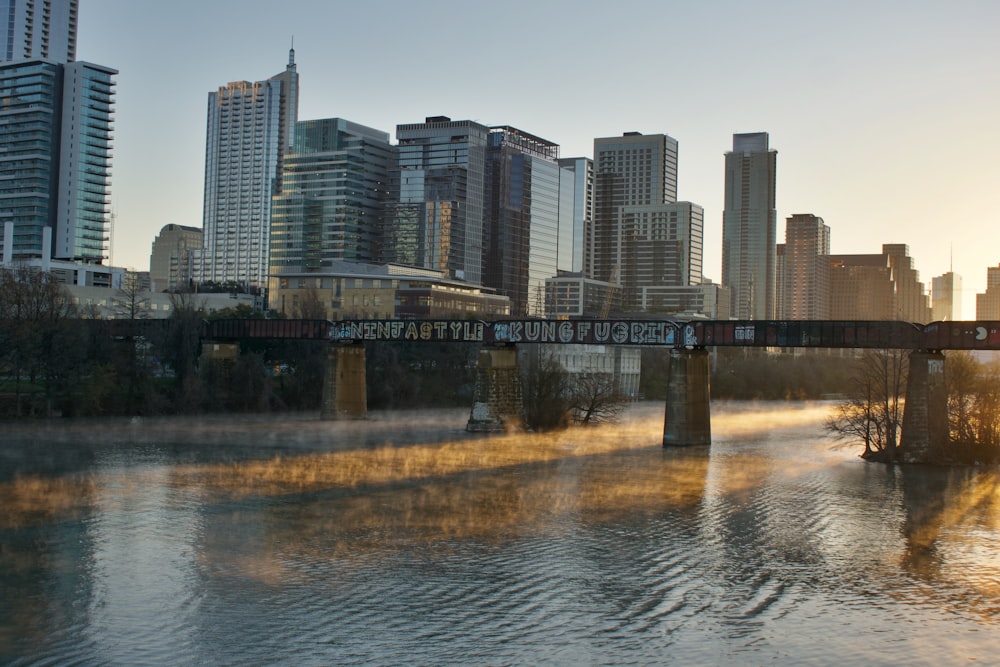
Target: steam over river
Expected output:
[405,540]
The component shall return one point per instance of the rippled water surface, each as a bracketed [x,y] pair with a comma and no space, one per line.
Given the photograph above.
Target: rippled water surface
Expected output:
[404,540]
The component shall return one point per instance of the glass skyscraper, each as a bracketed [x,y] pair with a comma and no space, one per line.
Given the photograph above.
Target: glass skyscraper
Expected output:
[749,227]
[333,193]
[250,127]
[56,124]
[522,218]
[436,218]
[576,197]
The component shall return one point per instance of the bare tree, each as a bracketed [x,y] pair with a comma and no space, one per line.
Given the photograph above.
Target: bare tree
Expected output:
[310,306]
[546,391]
[873,412]
[962,380]
[132,299]
[596,398]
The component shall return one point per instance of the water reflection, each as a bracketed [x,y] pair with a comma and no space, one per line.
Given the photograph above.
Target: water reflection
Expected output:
[250,539]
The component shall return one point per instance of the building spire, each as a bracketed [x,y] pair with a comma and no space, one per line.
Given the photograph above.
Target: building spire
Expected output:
[291,55]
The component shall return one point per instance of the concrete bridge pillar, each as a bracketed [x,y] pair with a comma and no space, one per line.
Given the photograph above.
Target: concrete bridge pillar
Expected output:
[688,418]
[925,414]
[344,392]
[497,403]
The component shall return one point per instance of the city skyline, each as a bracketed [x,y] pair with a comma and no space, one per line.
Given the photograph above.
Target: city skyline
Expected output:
[881,115]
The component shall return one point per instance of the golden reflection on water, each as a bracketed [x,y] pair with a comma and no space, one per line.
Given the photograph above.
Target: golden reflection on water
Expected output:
[361,501]
[955,536]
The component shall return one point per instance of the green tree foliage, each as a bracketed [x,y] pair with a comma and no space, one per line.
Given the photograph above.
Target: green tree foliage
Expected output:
[40,349]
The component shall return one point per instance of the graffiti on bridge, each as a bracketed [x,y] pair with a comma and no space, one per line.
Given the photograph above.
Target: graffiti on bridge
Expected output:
[578,332]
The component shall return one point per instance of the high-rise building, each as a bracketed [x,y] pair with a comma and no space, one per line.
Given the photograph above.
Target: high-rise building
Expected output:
[803,284]
[521,233]
[988,302]
[333,193]
[631,170]
[877,287]
[250,127]
[171,261]
[436,216]
[56,123]
[83,222]
[946,297]
[661,251]
[576,214]
[38,30]
[749,223]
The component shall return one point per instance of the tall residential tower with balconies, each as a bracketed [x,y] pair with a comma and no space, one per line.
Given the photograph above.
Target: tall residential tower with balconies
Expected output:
[251,125]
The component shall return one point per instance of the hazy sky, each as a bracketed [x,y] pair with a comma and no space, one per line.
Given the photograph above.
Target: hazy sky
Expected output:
[884,114]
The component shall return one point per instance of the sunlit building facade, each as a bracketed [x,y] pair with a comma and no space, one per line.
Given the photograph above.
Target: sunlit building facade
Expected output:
[38,30]
[803,278]
[988,302]
[357,290]
[946,297]
[749,227]
[437,210]
[250,127]
[882,286]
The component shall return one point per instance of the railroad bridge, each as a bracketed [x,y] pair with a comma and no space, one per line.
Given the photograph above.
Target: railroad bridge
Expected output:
[687,415]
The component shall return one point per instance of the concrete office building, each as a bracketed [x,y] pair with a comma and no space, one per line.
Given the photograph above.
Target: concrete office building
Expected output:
[357,290]
[250,128]
[881,286]
[749,222]
[630,170]
[38,30]
[436,214]
[803,278]
[171,261]
[988,302]
[643,238]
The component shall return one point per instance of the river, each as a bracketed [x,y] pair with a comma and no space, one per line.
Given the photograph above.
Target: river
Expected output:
[404,540]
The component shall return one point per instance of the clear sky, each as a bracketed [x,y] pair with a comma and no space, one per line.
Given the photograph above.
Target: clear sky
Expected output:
[884,113]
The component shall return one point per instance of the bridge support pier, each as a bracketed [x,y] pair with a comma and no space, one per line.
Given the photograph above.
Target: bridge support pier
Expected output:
[925,415]
[344,392]
[497,403]
[688,418]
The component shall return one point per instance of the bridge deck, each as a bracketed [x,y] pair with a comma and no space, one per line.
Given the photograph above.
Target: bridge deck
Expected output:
[966,335]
